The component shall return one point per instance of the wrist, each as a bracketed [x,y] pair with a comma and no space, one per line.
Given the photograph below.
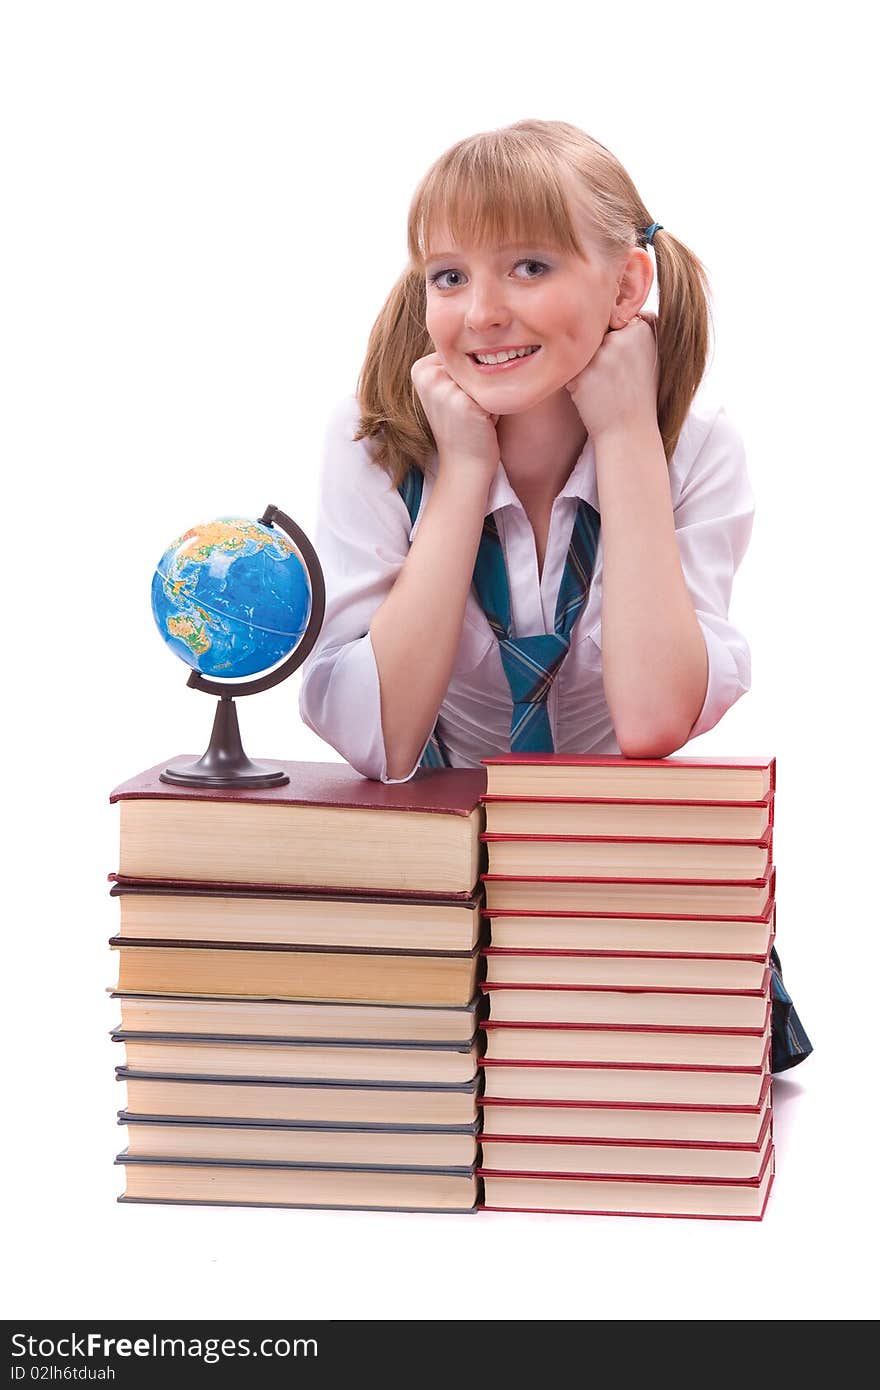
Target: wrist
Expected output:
[465,479]
[640,428]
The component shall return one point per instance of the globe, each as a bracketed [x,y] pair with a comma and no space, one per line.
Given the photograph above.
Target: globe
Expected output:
[242,603]
[231,597]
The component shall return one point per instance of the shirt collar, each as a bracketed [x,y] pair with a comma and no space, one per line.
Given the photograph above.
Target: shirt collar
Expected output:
[581,483]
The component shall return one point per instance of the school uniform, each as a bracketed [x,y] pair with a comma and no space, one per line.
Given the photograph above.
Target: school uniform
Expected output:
[515,618]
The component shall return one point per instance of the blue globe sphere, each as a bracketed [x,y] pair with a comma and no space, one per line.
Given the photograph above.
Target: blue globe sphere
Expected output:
[231,597]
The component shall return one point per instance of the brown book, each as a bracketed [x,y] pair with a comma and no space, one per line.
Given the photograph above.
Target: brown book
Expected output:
[300,1102]
[228,1017]
[245,1141]
[297,972]
[150,910]
[730,781]
[328,828]
[261,1060]
[248,1184]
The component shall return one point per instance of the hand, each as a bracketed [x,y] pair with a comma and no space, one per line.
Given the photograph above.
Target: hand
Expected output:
[463,432]
[618,387]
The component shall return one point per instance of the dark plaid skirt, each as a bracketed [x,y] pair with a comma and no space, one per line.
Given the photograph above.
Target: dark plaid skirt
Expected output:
[789,1043]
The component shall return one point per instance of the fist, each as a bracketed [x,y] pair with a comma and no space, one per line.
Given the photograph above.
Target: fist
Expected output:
[462,429]
[618,386]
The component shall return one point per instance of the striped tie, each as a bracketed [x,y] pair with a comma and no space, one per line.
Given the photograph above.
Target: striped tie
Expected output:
[532,663]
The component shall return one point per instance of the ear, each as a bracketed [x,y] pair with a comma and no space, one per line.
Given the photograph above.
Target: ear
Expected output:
[633,286]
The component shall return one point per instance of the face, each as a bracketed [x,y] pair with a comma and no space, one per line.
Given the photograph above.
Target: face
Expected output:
[527,295]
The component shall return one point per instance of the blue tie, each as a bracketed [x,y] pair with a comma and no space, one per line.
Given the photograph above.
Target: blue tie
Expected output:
[530,664]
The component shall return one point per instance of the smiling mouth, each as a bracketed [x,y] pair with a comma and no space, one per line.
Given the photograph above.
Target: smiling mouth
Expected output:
[505,365]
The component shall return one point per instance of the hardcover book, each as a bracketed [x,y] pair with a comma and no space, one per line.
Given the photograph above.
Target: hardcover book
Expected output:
[633,970]
[328,828]
[258,1060]
[624,819]
[725,780]
[151,910]
[303,1102]
[747,937]
[601,857]
[228,1017]
[514,1080]
[297,972]
[328,1145]
[630,1008]
[248,1184]
[630,897]
[640,1047]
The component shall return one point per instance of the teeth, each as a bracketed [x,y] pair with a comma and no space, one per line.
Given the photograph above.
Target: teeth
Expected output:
[493,357]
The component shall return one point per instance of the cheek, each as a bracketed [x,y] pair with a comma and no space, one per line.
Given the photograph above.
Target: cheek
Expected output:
[438,322]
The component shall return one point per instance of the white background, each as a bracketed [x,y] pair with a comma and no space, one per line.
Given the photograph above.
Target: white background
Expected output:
[204,208]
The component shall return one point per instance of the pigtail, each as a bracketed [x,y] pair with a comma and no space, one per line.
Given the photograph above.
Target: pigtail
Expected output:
[391,412]
[682,333]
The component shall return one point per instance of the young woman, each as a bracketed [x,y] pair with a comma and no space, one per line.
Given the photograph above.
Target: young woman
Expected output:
[529,529]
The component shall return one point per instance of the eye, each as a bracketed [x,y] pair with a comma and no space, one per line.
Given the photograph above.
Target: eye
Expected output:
[438,276]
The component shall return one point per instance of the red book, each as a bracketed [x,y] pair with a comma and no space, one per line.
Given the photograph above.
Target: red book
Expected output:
[574,1006]
[629,858]
[591,1044]
[631,897]
[717,780]
[625,970]
[329,828]
[629,817]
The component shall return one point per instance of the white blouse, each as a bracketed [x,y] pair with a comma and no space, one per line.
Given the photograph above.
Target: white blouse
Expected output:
[363,536]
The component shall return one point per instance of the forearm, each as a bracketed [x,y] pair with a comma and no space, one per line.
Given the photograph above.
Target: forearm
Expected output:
[655,665]
[416,632]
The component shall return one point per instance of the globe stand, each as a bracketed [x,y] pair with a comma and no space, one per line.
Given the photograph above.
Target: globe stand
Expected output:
[224,762]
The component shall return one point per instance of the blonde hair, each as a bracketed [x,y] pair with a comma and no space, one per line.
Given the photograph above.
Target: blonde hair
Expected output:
[515,184]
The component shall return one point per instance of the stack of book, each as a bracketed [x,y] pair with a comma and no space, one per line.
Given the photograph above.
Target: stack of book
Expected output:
[298,990]
[632,912]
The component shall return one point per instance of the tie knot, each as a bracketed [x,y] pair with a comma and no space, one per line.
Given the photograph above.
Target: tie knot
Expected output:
[531,664]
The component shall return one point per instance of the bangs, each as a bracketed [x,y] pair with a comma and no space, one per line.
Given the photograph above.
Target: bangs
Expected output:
[489,192]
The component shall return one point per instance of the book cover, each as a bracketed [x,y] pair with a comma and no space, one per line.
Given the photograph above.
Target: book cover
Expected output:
[441,791]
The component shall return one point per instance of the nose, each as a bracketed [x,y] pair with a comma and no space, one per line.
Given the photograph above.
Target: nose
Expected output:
[486,305]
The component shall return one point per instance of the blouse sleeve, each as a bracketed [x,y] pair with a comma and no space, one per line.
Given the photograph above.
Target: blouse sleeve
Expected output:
[713,523]
[362,539]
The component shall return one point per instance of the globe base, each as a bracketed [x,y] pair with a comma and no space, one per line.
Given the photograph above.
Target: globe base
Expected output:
[224,762]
